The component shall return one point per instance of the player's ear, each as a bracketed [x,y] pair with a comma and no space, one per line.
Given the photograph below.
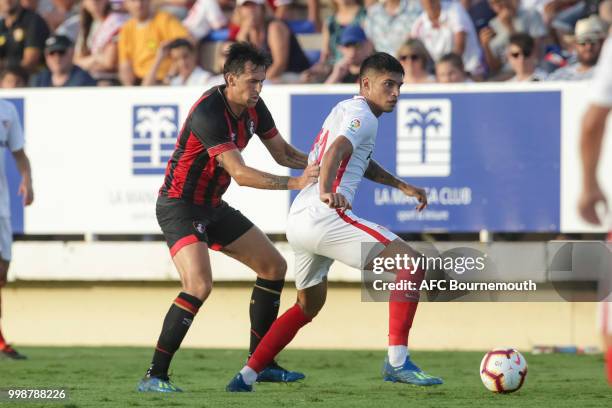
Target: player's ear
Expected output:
[365,84]
[230,79]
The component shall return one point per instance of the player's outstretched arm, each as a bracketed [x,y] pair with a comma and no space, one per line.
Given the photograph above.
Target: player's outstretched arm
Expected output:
[23,166]
[285,154]
[592,133]
[377,174]
[340,150]
[244,175]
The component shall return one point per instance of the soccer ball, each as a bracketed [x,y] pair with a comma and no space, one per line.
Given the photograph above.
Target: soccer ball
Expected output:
[503,370]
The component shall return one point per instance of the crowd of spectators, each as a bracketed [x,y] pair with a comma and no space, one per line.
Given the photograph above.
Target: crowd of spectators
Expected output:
[55,43]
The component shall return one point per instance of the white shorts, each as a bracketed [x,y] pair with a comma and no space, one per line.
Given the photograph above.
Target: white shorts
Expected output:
[320,235]
[6,238]
[604,318]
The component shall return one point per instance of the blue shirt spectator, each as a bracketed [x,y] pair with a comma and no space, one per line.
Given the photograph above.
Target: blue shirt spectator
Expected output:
[61,72]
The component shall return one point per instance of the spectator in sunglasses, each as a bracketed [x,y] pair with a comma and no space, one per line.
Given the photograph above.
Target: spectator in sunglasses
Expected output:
[589,34]
[522,59]
[416,62]
[59,51]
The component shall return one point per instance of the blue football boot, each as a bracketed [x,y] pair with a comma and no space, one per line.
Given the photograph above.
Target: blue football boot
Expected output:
[238,385]
[408,373]
[277,374]
[156,384]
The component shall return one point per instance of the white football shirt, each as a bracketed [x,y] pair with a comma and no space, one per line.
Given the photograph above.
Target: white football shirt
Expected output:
[353,119]
[11,138]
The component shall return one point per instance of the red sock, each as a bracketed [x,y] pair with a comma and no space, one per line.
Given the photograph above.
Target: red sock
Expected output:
[2,341]
[609,364]
[282,331]
[402,308]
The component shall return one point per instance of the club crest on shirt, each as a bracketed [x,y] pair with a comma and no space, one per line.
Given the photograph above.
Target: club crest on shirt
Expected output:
[251,127]
[354,125]
[2,40]
[199,226]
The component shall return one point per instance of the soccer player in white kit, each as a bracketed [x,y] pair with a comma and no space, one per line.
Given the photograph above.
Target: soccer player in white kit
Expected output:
[321,227]
[11,137]
[592,133]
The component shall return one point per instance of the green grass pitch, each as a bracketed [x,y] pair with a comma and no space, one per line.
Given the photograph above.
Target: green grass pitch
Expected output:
[107,377]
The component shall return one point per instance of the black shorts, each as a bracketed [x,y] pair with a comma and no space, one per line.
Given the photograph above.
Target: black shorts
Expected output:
[184,223]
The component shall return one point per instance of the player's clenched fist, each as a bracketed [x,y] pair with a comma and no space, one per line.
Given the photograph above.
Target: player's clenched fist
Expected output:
[336,200]
[310,175]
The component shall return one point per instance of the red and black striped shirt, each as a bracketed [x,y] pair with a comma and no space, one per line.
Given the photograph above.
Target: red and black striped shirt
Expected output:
[193,174]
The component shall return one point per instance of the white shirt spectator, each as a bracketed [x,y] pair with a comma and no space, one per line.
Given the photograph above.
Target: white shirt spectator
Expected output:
[571,73]
[602,79]
[204,16]
[11,138]
[198,77]
[537,5]
[538,75]
[439,41]
[388,32]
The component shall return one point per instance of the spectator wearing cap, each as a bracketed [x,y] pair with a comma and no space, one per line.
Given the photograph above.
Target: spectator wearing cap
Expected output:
[184,69]
[355,48]
[345,13]
[388,23]
[140,38]
[274,36]
[61,71]
[590,34]
[416,61]
[13,77]
[496,36]
[445,27]
[22,36]
[522,59]
[96,45]
[450,69]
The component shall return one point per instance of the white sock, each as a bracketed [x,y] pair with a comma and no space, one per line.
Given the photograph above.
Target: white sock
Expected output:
[248,375]
[397,355]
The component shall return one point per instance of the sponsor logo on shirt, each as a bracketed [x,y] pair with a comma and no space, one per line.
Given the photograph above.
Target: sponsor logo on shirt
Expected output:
[154,132]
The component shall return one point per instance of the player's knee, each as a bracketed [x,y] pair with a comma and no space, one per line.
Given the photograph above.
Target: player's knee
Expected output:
[275,269]
[311,308]
[200,289]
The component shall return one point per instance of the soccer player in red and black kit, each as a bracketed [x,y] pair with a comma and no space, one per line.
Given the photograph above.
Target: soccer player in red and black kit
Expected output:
[194,218]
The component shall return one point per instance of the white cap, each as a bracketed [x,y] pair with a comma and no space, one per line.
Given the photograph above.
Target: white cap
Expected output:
[590,28]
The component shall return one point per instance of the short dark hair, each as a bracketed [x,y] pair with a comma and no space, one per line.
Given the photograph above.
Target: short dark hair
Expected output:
[181,42]
[524,41]
[454,59]
[242,52]
[16,70]
[381,62]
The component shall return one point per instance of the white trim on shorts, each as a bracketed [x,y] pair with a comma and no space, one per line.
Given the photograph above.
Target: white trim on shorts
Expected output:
[319,236]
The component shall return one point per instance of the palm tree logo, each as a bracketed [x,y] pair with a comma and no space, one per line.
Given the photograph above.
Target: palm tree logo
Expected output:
[424,120]
[155,124]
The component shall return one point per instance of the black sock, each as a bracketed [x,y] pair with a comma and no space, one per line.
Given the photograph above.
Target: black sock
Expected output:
[263,310]
[177,322]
